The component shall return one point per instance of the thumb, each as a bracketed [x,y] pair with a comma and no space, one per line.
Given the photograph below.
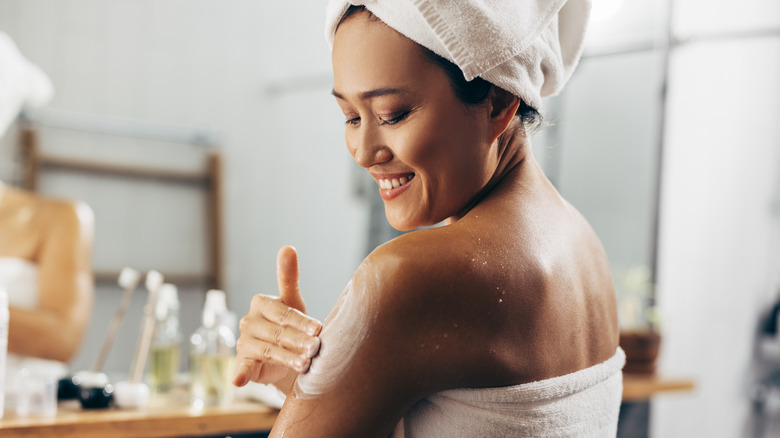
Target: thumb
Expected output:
[287,277]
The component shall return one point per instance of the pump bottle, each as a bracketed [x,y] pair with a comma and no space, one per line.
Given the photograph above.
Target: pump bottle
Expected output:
[212,354]
[166,344]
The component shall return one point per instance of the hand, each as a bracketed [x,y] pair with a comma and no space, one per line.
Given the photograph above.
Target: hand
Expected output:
[277,338]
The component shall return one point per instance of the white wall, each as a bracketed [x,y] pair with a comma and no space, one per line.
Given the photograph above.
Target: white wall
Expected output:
[209,65]
[720,221]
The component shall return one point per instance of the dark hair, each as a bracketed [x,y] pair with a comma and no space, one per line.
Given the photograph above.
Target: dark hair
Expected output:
[475,92]
[472,92]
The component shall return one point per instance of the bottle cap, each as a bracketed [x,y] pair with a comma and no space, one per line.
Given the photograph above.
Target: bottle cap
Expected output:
[167,299]
[153,280]
[216,304]
[128,278]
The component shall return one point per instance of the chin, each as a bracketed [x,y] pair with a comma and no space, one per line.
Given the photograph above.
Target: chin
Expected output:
[401,223]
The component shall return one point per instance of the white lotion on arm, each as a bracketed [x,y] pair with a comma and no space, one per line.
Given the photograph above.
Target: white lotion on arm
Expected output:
[343,332]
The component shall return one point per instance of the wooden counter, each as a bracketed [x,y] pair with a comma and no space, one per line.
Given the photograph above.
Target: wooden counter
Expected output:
[169,416]
[643,387]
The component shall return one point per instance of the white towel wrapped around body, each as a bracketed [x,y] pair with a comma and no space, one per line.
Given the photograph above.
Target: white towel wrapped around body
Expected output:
[527,47]
[583,404]
[19,278]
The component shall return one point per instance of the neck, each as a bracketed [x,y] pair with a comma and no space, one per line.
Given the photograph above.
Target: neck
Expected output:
[512,148]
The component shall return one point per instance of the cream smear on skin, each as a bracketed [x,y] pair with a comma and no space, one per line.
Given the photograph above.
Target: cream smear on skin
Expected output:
[343,332]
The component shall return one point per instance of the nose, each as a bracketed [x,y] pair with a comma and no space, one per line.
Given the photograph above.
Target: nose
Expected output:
[367,148]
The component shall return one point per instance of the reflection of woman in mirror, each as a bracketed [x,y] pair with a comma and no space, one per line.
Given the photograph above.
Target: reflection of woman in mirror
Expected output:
[502,322]
[45,247]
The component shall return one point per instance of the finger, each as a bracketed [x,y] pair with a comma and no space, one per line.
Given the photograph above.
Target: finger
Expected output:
[287,278]
[243,371]
[272,354]
[272,309]
[286,337]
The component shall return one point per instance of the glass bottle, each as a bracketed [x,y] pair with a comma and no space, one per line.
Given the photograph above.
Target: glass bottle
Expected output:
[166,344]
[212,354]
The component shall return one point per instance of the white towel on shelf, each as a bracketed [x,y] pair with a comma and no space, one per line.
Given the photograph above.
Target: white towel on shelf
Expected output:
[583,404]
[527,47]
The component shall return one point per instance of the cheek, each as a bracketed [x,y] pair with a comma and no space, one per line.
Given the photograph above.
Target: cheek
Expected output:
[349,141]
[421,146]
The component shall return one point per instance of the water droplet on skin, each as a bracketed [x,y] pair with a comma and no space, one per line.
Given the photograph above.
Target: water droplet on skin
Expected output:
[445,335]
[500,301]
[437,347]
[455,325]
[503,292]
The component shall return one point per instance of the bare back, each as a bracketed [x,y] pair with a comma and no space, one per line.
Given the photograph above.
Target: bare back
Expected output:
[543,274]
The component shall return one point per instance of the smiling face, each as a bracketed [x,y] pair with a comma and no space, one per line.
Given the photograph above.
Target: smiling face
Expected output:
[429,153]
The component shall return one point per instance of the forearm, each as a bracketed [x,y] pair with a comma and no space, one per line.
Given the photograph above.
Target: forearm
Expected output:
[43,333]
[285,385]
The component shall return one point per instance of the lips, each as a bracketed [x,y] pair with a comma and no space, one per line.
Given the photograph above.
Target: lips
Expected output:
[392,185]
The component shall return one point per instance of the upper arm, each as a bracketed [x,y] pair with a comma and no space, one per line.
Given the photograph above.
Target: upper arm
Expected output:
[391,340]
[64,261]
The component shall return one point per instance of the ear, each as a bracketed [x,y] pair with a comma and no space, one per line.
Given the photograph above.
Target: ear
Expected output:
[503,106]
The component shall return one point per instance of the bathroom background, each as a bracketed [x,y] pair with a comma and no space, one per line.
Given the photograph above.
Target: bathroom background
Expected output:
[667,139]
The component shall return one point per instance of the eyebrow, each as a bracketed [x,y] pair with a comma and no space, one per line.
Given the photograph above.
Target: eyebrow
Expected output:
[365,95]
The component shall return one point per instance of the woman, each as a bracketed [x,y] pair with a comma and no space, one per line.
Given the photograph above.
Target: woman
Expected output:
[500,323]
[45,268]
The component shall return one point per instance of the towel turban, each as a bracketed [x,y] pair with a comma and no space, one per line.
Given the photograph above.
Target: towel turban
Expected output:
[527,47]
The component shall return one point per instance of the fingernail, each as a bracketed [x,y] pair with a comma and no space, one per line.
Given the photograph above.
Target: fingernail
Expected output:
[304,366]
[312,346]
[312,329]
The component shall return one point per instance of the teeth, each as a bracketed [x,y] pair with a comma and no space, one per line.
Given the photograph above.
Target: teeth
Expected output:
[393,183]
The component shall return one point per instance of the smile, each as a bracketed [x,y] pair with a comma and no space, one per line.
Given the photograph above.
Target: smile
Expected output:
[388,183]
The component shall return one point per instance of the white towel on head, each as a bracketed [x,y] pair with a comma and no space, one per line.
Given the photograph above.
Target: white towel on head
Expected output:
[22,83]
[527,47]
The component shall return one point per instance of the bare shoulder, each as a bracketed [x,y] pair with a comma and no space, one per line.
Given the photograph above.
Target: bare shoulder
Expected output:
[66,230]
[65,215]
[397,299]
[396,335]
[438,296]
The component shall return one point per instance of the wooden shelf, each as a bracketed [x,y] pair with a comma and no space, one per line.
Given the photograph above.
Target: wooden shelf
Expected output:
[166,416]
[208,179]
[643,387]
[177,278]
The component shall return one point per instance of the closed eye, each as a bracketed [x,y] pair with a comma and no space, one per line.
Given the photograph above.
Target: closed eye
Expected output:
[395,119]
[353,121]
